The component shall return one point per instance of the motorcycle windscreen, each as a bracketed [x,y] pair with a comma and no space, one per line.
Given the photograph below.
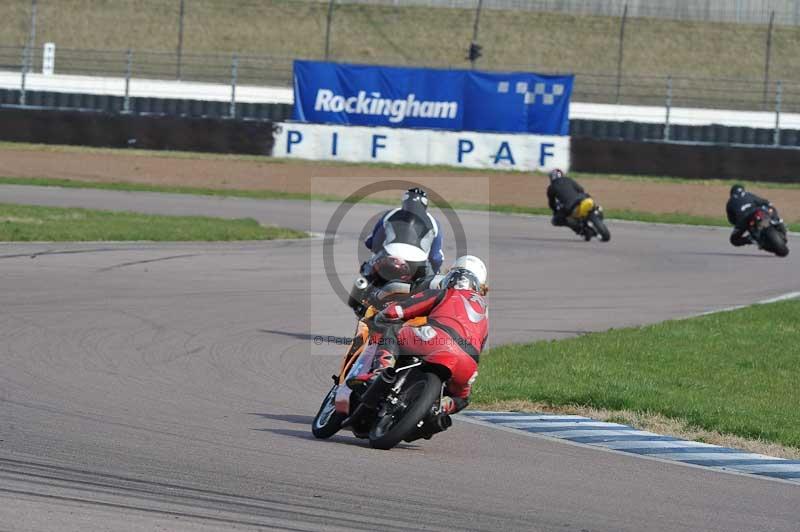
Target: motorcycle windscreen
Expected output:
[408,236]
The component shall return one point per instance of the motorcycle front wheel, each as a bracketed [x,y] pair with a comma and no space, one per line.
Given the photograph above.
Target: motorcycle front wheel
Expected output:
[328,421]
[417,398]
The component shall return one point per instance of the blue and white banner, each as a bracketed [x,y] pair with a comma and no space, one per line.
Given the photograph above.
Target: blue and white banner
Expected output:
[458,100]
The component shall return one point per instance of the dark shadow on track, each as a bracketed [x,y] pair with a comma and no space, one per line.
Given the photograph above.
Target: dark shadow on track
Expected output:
[728,254]
[342,438]
[289,418]
[566,239]
[327,338]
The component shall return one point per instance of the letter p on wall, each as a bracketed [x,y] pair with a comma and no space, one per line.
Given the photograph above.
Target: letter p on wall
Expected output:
[465,146]
[292,137]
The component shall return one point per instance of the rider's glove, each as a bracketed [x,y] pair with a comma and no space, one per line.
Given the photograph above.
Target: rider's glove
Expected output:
[380,321]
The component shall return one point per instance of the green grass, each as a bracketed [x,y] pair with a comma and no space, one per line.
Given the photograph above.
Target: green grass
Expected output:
[735,372]
[668,218]
[27,223]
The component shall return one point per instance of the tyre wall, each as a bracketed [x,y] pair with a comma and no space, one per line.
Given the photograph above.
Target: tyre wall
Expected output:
[694,161]
[163,132]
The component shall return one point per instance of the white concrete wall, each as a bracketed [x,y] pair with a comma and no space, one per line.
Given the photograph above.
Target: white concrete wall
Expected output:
[422,146]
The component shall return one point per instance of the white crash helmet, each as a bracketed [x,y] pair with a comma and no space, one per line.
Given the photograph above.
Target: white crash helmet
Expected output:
[468,264]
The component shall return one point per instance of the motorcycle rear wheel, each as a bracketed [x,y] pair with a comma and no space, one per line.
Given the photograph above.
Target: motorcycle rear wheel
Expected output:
[420,395]
[600,227]
[328,421]
[774,242]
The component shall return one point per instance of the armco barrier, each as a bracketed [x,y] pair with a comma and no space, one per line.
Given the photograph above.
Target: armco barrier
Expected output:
[146,106]
[147,132]
[694,161]
[422,146]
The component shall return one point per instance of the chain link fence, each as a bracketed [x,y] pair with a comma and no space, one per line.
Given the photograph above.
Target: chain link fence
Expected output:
[617,59]
[735,11]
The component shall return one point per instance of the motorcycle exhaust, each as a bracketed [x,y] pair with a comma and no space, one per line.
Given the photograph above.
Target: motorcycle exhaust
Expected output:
[372,395]
[434,424]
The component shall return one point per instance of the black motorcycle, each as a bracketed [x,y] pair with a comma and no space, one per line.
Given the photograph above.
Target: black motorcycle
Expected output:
[767,231]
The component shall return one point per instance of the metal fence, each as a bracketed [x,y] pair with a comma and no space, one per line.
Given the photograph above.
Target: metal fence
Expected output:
[618,59]
[241,69]
[787,12]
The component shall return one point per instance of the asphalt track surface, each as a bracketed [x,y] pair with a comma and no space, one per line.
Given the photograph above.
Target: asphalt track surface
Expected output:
[171,386]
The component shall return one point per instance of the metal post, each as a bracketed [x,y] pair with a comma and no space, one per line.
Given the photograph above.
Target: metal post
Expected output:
[768,56]
[328,30]
[234,76]
[621,48]
[180,41]
[796,12]
[778,99]
[32,35]
[475,28]
[669,108]
[126,105]
[23,75]
[27,54]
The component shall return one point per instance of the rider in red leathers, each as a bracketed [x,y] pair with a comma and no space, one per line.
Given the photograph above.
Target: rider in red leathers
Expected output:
[457,324]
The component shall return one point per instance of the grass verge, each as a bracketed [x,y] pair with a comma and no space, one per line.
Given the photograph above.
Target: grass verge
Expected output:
[27,223]
[668,218]
[731,373]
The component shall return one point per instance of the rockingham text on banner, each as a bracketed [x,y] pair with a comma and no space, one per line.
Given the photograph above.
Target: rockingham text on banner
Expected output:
[458,100]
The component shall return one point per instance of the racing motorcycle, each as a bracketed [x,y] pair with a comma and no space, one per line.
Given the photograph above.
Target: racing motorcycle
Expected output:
[400,403]
[590,217]
[763,229]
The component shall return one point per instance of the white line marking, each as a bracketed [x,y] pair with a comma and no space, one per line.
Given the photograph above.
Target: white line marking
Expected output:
[776,299]
[577,433]
[713,456]
[532,418]
[784,297]
[562,424]
[624,445]
[769,468]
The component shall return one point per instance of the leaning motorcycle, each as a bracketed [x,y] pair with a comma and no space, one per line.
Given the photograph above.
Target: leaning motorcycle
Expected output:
[764,230]
[401,403]
[589,216]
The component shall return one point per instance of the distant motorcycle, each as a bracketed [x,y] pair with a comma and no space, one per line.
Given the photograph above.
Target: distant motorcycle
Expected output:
[763,229]
[401,403]
[590,217]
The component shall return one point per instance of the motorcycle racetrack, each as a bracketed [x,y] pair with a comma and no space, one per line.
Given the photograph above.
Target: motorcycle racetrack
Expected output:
[171,386]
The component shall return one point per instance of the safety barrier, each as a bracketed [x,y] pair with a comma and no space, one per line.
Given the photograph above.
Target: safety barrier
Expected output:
[688,160]
[474,150]
[163,132]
